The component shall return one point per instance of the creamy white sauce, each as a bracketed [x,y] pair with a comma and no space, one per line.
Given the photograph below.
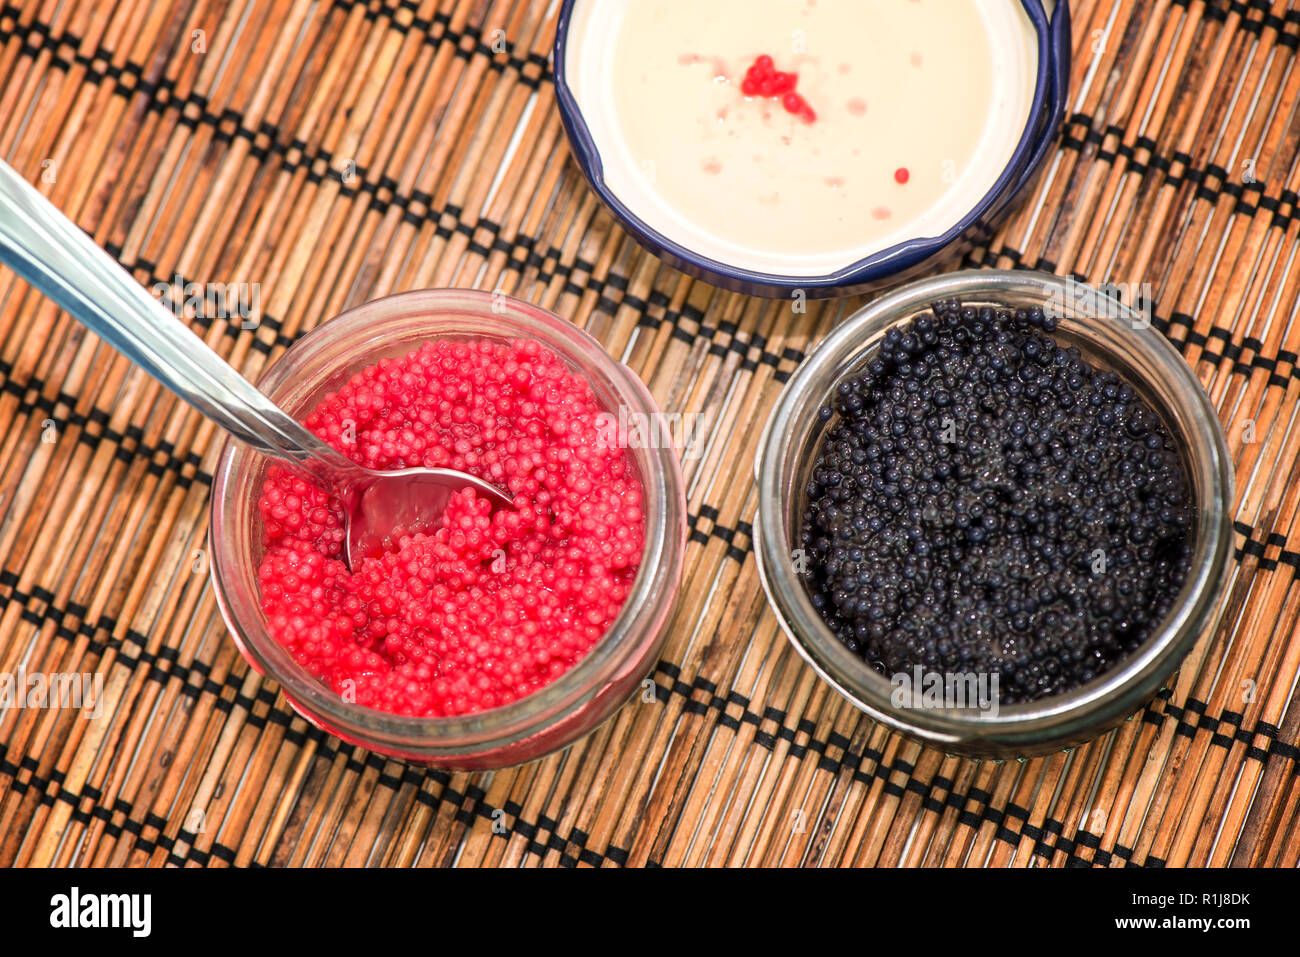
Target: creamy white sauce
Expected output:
[940,88]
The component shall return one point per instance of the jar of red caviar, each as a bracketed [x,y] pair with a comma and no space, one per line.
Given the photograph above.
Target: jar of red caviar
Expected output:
[310,376]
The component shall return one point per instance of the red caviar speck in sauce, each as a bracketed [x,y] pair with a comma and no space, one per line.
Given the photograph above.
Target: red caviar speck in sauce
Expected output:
[901,175]
[763,79]
[490,606]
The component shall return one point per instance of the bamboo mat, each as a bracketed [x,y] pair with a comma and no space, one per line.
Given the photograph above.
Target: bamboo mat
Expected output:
[336,151]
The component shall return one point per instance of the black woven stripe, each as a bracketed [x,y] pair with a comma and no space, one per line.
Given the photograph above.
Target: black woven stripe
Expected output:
[739,540]
[1231,351]
[267,139]
[417,210]
[1219,10]
[196,680]
[688,325]
[416,206]
[165,665]
[997,818]
[94,430]
[521,256]
[70,624]
[468,805]
[1048,839]
[471,805]
[51,790]
[36,37]
[715,703]
[1210,183]
[1259,549]
[469,41]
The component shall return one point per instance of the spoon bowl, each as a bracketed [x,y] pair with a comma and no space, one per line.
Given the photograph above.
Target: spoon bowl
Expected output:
[404,502]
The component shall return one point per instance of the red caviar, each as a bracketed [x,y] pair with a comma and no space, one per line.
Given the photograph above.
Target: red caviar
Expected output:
[488,607]
[763,79]
[901,175]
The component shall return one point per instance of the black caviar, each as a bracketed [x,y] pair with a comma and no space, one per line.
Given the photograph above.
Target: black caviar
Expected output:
[987,501]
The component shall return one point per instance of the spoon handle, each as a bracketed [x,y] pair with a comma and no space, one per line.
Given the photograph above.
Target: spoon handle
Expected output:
[52,253]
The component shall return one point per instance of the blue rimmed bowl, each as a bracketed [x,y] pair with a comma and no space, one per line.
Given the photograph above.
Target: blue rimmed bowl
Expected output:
[604,161]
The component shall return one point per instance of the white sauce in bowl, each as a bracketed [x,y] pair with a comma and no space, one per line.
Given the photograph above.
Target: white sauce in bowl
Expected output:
[939,88]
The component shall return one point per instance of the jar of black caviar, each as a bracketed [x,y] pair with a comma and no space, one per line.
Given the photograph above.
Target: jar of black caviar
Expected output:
[994,510]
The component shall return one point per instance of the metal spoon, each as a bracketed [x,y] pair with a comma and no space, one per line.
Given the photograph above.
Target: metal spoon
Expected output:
[58,258]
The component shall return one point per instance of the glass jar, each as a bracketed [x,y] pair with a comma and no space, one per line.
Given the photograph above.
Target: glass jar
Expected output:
[575,702]
[1109,335]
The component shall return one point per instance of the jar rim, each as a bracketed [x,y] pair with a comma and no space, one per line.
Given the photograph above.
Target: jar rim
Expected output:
[644,610]
[1049,721]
